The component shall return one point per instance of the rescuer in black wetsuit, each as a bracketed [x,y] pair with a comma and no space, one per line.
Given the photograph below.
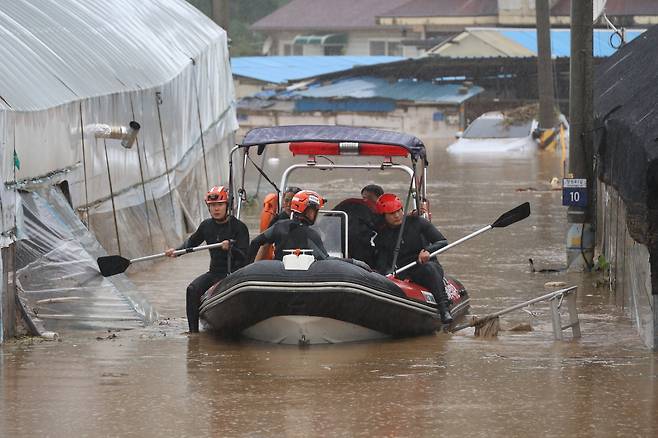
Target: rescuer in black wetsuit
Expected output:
[372,192]
[285,210]
[294,233]
[419,239]
[232,255]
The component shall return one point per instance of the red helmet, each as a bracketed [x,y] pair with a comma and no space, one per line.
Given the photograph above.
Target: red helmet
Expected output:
[305,199]
[388,203]
[216,195]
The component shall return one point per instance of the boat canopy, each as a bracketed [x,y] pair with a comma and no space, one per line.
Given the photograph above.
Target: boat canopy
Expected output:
[333,134]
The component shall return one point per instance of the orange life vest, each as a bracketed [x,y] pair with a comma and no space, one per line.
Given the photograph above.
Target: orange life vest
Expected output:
[269,211]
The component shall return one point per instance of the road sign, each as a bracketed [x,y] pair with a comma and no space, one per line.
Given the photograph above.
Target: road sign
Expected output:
[574,192]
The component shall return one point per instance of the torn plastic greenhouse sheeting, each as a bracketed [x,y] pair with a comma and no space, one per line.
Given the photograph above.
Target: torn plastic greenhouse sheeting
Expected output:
[625,130]
[57,277]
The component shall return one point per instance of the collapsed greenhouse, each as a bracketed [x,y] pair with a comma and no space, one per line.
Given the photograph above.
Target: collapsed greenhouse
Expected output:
[113,121]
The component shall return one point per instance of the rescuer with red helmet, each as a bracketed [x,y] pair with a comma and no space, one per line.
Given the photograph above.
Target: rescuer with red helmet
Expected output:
[305,205]
[294,233]
[419,239]
[231,255]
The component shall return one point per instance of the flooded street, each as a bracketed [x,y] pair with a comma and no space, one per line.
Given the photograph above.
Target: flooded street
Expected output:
[158,381]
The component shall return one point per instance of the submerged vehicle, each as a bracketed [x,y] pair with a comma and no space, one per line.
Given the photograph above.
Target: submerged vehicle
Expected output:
[494,133]
[301,300]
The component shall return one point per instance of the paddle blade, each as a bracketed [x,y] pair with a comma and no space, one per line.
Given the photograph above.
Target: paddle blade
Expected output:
[112,265]
[514,215]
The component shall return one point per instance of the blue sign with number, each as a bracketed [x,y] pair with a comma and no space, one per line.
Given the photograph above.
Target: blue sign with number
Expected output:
[574,192]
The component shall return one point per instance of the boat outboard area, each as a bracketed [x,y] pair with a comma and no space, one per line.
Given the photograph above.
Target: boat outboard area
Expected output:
[303,299]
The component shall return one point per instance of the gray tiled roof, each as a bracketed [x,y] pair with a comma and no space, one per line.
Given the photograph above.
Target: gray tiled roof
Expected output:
[445,8]
[324,15]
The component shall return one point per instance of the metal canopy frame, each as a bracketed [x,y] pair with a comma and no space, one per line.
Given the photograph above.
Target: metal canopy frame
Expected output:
[262,137]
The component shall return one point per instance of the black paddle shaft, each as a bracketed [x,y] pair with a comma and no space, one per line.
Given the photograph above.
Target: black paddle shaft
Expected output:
[115,264]
[514,215]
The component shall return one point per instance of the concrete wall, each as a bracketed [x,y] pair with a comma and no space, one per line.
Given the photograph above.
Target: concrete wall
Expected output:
[245,87]
[519,12]
[630,269]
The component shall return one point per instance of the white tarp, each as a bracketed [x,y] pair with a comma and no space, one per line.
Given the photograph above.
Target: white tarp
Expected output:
[57,278]
[598,7]
[70,65]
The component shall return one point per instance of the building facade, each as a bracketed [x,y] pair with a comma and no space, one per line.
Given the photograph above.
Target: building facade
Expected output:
[409,27]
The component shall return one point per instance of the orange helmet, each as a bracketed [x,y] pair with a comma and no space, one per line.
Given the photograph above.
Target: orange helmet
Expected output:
[388,203]
[305,199]
[216,195]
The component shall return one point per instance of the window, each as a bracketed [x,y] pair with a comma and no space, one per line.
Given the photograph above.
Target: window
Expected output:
[394,48]
[334,50]
[382,48]
[484,127]
[293,49]
[377,48]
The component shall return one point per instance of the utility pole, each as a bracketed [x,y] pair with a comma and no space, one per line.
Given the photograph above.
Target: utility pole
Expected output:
[220,13]
[544,66]
[578,189]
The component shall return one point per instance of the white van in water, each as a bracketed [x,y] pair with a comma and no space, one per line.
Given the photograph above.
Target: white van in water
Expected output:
[492,133]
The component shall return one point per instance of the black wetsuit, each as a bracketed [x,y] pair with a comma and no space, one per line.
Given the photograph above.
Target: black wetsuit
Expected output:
[282,216]
[418,234]
[289,234]
[211,232]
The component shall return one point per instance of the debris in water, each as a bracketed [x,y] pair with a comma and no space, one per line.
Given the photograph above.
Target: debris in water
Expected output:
[554,284]
[541,271]
[50,336]
[523,327]
[488,328]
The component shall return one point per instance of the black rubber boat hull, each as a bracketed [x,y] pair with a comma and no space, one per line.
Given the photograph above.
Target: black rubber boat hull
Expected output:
[331,289]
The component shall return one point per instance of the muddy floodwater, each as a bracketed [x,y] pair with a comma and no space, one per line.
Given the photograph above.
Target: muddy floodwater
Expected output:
[159,382]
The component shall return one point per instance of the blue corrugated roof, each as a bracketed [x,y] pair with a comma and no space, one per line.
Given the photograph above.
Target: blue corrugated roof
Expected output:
[281,69]
[366,87]
[345,105]
[561,40]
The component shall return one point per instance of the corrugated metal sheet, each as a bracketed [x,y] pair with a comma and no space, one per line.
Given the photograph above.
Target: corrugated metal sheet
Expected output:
[561,40]
[408,90]
[281,69]
[57,51]
[493,42]
[345,105]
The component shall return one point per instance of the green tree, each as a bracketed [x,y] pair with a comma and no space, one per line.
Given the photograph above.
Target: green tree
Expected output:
[242,14]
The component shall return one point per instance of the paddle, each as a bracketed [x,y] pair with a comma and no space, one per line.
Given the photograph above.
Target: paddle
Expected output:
[514,215]
[114,264]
